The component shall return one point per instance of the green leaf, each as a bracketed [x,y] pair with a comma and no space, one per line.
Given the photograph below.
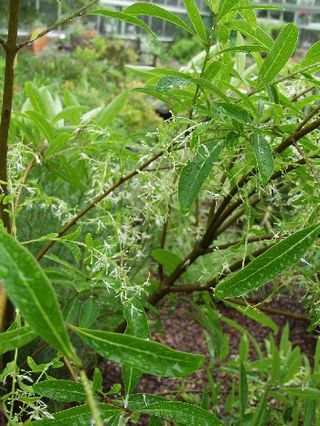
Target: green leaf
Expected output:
[258,34]
[226,6]
[264,157]
[137,325]
[167,259]
[182,413]
[243,391]
[123,17]
[194,174]
[61,390]
[255,314]
[269,265]
[14,339]
[302,393]
[149,357]
[313,55]
[282,50]
[148,9]
[110,111]
[32,293]
[195,18]
[90,311]
[79,416]
[233,111]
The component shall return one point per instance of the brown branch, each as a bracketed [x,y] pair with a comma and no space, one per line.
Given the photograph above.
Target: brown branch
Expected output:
[270,310]
[79,12]
[234,243]
[96,201]
[298,95]
[23,181]
[10,52]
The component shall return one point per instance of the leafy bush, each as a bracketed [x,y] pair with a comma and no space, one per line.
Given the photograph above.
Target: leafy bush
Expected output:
[104,215]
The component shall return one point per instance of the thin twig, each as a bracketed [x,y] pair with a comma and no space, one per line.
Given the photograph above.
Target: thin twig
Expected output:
[23,181]
[234,243]
[298,95]
[2,42]
[79,12]
[308,118]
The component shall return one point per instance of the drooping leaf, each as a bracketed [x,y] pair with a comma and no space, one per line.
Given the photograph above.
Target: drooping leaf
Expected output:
[233,111]
[79,416]
[108,113]
[14,339]
[131,19]
[302,392]
[264,157]
[195,18]
[269,265]
[195,173]
[255,314]
[61,390]
[137,325]
[182,413]
[32,293]
[147,356]
[280,53]
[149,9]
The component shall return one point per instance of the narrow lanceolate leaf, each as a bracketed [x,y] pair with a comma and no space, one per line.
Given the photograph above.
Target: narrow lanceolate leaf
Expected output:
[195,173]
[302,393]
[61,390]
[148,9]
[269,265]
[14,339]
[123,17]
[258,35]
[313,55]
[226,6]
[195,18]
[182,413]
[79,416]
[149,357]
[137,325]
[110,111]
[264,157]
[243,391]
[255,314]
[281,52]
[32,293]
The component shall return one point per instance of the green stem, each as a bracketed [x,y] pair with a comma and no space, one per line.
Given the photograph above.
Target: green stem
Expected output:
[91,399]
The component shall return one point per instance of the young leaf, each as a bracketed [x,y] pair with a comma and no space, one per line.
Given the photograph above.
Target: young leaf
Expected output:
[79,416]
[283,48]
[137,325]
[269,265]
[264,157]
[149,357]
[258,35]
[149,9]
[123,17]
[61,390]
[32,293]
[182,413]
[195,173]
[110,111]
[14,339]
[195,18]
